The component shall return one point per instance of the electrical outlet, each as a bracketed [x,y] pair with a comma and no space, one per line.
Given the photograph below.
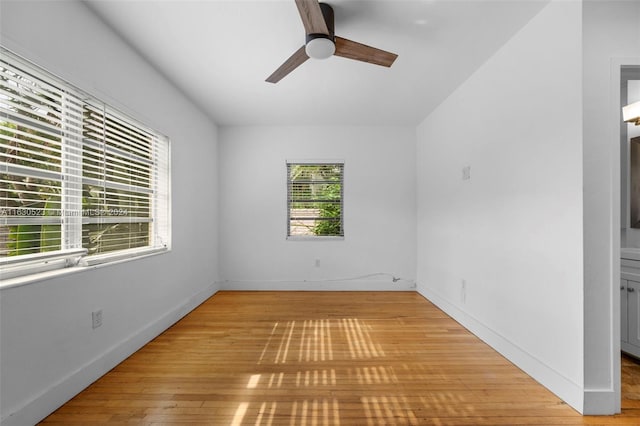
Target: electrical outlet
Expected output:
[463,291]
[317,263]
[96,318]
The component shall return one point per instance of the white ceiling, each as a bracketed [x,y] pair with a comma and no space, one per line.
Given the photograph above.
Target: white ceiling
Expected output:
[220,52]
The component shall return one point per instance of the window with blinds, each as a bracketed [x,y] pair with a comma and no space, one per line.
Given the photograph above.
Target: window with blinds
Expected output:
[120,176]
[315,199]
[77,178]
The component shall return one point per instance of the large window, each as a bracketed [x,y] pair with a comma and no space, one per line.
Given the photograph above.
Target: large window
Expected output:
[78,179]
[314,199]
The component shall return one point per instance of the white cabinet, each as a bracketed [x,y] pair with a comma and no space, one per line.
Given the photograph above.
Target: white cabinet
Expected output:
[630,316]
[630,301]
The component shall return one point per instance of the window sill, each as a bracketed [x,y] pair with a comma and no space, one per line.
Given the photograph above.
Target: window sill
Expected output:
[314,238]
[119,256]
[101,262]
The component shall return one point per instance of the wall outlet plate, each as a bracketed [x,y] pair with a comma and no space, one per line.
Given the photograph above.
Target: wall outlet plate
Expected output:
[96,318]
[466,173]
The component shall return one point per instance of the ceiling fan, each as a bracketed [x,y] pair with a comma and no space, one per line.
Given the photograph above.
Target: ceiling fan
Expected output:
[321,42]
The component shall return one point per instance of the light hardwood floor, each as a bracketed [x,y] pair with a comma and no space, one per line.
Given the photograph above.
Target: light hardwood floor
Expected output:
[322,358]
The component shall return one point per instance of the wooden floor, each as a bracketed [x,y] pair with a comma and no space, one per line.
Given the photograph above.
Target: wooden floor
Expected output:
[307,358]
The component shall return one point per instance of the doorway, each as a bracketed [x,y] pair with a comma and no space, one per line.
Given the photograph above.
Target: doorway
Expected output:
[628,150]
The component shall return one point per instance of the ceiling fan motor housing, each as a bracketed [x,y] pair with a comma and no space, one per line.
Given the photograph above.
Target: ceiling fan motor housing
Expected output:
[321,46]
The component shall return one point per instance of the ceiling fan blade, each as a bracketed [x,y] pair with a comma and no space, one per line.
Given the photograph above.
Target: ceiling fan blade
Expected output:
[289,65]
[312,17]
[362,52]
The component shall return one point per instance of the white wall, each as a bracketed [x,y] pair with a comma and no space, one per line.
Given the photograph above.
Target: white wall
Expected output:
[379,208]
[513,231]
[611,32]
[48,350]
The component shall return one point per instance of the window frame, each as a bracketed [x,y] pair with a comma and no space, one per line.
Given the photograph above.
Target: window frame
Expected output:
[69,253]
[314,162]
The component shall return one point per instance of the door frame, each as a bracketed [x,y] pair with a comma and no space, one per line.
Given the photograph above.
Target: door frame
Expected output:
[615,118]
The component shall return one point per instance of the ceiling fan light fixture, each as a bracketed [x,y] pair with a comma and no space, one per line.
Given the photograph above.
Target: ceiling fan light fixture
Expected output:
[320,48]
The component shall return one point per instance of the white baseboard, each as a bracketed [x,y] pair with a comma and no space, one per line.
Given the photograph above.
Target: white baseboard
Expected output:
[600,402]
[343,285]
[567,390]
[55,396]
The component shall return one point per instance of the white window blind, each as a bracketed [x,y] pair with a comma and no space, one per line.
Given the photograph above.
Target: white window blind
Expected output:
[120,182]
[315,199]
[76,176]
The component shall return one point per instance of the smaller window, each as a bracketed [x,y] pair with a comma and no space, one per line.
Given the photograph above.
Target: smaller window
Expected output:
[314,199]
